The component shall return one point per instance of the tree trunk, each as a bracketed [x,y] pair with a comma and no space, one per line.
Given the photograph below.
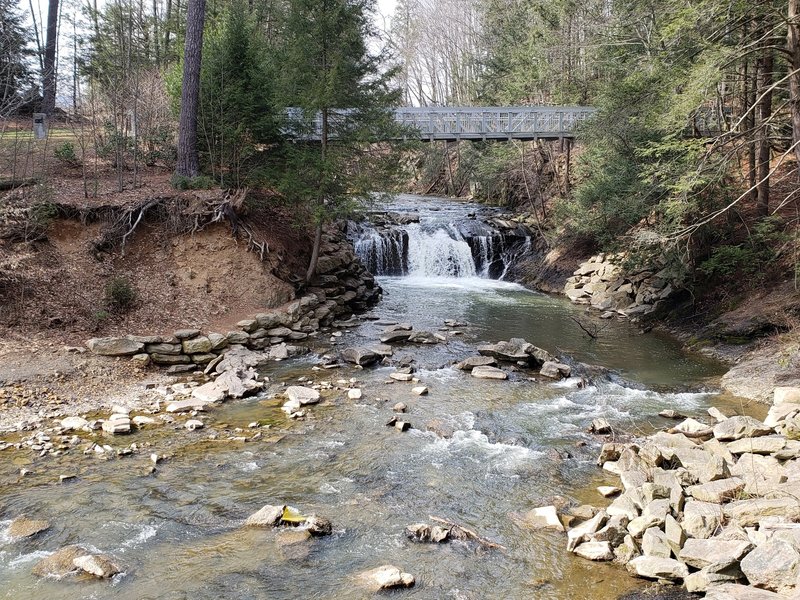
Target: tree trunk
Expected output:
[764,110]
[167,17]
[49,73]
[793,39]
[188,163]
[312,266]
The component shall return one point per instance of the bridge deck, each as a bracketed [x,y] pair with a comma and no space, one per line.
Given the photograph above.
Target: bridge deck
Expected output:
[483,123]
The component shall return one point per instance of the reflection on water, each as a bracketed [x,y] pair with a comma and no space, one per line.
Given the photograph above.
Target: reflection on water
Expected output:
[511,445]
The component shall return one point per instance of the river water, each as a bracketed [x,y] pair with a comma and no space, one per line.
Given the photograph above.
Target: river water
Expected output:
[510,446]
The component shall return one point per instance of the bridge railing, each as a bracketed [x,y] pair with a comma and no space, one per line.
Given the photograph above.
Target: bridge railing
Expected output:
[475,123]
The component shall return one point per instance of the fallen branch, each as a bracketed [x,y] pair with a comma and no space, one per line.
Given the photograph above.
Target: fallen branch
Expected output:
[10,184]
[592,334]
[467,533]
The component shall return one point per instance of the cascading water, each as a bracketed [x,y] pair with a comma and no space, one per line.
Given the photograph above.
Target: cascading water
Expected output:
[438,240]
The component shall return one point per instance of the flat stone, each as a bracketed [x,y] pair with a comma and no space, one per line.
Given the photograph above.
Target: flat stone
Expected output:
[702,553]
[735,428]
[74,423]
[360,356]
[600,551]
[114,346]
[757,445]
[267,516]
[163,348]
[717,491]
[655,567]
[785,395]
[386,577]
[747,513]
[185,334]
[578,535]
[188,405]
[98,565]
[302,395]
[420,390]
[354,394]
[117,426]
[197,345]
[475,361]
[544,517]
[674,534]
[59,564]
[489,373]
[401,376]
[170,359]
[607,491]
[555,370]
[395,337]
[22,527]
[735,591]
[774,566]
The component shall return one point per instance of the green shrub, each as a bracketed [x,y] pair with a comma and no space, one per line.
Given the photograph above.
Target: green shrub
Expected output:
[120,293]
[201,182]
[65,153]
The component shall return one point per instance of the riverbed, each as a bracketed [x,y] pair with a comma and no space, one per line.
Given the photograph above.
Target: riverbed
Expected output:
[480,453]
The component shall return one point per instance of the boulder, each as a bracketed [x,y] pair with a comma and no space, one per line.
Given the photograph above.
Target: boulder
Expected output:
[785,395]
[22,527]
[599,551]
[489,373]
[701,464]
[395,337]
[774,566]
[655,567]
[302,395]
[114,346]
[98,565]
[578,535]
[268,516]
[197,345]
[360,356]
[735,428]
[544,517]
[701,519]
[74,423]
[712,576]
[386,577]
[185,334]
[59,564]
[555,370]
[717,491]
[758,445]
[675,536]
[699,553]
[746,513]
[734,591]
[654,543]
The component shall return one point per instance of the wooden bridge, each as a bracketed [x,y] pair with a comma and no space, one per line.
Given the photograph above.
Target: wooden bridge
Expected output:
[450,123]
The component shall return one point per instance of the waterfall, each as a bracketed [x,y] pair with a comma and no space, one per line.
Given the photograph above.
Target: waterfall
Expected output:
[438,254]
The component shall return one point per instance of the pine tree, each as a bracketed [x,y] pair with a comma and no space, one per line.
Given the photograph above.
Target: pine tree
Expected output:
[15,76]
[188,163]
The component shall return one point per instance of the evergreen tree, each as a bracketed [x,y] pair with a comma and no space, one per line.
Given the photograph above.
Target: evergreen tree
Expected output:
[188,164]
[15,75]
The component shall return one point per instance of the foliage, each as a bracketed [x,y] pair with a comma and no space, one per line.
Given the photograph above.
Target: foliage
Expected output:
[120,293]
[65,153]
[201,182]
[750,258]
[16,78]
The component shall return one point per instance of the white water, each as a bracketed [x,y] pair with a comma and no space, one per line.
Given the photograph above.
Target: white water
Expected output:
[438,254]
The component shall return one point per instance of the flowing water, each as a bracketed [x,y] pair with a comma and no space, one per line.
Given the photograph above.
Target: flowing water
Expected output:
[511,446]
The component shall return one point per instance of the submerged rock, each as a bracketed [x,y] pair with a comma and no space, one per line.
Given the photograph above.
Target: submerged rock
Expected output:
[386,577]
[22,527]
[60,563]
[98,565]
[268,516]
[360,356]
[489,373]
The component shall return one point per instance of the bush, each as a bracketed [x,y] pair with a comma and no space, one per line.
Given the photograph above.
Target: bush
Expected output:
[65,153]
[201,182]
[120,293]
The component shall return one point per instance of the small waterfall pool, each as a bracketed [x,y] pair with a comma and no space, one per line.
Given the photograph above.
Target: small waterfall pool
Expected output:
[480,453]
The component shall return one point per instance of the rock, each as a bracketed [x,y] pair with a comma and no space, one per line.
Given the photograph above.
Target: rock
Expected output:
[319,526]
[419,532]
[717,491]
[198,345]
[759,445]
[475,361]
[402,425]
[395,337]
[170,359]
[703,553]
[611,451]
[703,465]
[99,565]
[733,591]
[613,532]
[400,407]
[423,337]
[671,414]
[578,535]
[193,424]
[701,519]
[117,425]
[74,423]
[623,506]
[600,426]
[734,428]
[401,376]
[515,350]
[544,517]
[185,334]
[654,567]
[489,373]
[398,327]
[595,551]
[626,551]
[420,390]
[237,337]
[674,534]
[654,543]
[114,346]
[386,577]
[608,491]
[785,395]
[360,356]
[555,370]
[188,405]
[218,341]
[268,516]
[711,576]
[716,414]
[302,395]
[140,360]
[354,394]
[774,565]
[163,348]
[22,527]
[59,564]
[746,513]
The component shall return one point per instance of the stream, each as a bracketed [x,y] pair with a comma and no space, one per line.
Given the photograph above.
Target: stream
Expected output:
[510,446]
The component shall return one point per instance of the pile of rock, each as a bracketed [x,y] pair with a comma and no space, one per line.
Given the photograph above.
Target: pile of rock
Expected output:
[714,506]
[75,560]
[517,351]
[601,283]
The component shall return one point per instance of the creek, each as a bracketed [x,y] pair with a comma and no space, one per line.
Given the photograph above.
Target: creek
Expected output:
[510,446]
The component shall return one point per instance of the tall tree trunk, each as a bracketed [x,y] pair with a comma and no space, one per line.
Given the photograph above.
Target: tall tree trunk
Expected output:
[188,162]
[39,51]
[312,265]
[793,39]
[167,22]
[49,73]
[764,110]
